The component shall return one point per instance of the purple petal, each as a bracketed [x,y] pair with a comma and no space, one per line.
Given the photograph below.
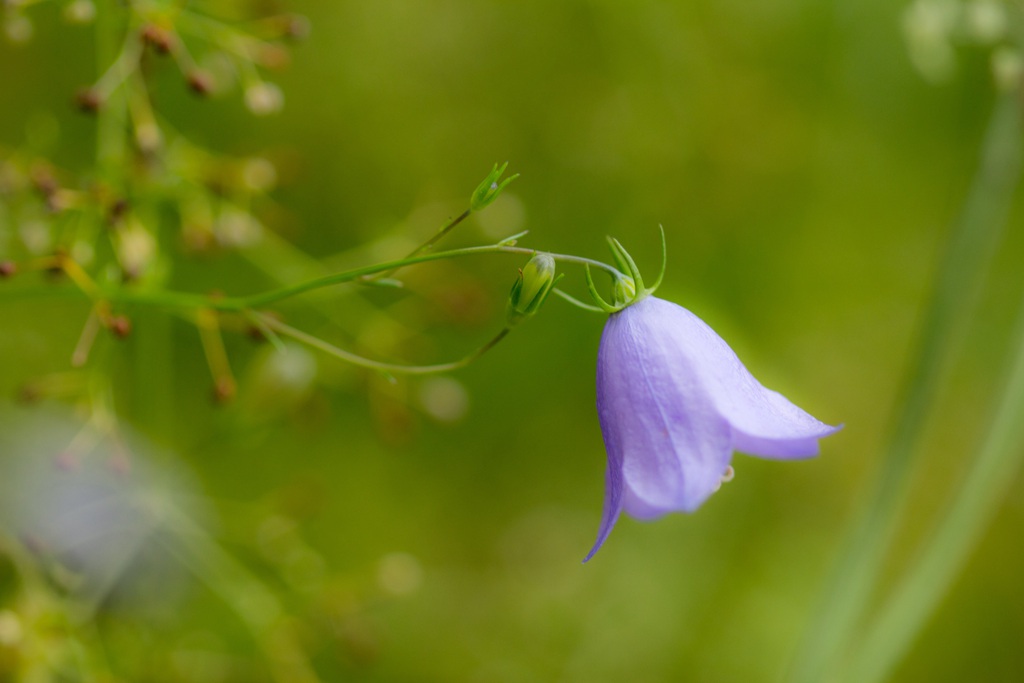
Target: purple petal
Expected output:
[661,429]
[612,505]
[764,422]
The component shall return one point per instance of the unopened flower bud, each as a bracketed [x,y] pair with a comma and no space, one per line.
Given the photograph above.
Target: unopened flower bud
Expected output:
[80,12]
[624,290]
[986,20]
[43,179]
[1007,68]
[224,390]
[296,27]
[531,288]
[120,326]
[88,100]
[7,269]
[264,98]
[200,82]
[148,137]
[259,175]
[117,210]
[18,27]
[157,37]
[274,57]
[487,191]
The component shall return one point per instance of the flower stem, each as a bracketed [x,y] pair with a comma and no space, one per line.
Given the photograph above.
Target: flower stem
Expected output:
[276,295]
[171,299]
[320,344]
[429,243]
[971,247]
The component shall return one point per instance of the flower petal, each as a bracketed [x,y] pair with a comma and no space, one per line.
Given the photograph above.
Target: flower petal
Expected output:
[764,422]
[656,418]
[612,504]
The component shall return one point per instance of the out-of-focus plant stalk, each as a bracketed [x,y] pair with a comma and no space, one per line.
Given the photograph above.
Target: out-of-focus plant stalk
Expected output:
[970,249]
[253,602]
[111,145]
[890,635]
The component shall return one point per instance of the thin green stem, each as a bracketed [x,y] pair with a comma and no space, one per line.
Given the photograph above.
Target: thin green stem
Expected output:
[390,368]
[429,243]
[188,300]
[238,304]
[916,597]
[971,247]
[260,300]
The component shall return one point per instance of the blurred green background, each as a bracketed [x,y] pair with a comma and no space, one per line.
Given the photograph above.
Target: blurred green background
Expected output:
[432,530]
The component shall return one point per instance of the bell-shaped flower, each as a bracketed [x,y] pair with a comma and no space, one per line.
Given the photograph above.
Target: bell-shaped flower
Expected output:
[674,402]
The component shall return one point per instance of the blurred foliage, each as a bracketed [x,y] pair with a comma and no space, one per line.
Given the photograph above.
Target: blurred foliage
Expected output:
[331,523]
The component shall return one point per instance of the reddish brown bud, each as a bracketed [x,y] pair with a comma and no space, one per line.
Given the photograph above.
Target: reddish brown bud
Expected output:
[88,100]
[255,334]
[8,269]
[43,179]
[224,390]
[291,26]
[159,38]
[117,210]
[200,82]
[297,27]
[55,270]
[120,326]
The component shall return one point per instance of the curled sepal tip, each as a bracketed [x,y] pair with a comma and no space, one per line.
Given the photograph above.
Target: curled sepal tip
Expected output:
[487,191]
[531,288]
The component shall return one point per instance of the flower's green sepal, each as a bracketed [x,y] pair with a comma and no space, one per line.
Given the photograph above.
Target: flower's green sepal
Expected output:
[531,288]
[490,188]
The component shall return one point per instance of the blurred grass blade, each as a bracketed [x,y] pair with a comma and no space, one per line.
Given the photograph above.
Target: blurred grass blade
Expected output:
[971,247]
[248,597]
[925,584]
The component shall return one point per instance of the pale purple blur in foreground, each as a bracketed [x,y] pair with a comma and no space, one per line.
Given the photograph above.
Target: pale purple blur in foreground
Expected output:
[674,403]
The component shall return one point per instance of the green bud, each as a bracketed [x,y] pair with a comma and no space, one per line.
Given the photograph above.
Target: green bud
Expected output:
[531,288]
[624,290]
[487,191]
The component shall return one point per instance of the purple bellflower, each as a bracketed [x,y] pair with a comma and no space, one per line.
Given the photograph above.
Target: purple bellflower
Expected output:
[674,402]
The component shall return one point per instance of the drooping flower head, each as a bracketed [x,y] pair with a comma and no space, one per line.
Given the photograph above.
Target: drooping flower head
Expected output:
[674,402]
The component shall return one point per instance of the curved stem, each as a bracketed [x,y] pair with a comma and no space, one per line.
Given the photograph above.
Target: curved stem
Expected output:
[390,368]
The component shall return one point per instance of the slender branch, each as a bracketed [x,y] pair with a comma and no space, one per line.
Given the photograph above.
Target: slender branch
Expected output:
[317,343]
[238,304]
[429,243]
[274,296]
